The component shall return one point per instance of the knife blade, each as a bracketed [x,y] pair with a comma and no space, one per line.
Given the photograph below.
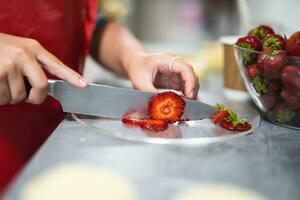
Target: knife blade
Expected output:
[114,102]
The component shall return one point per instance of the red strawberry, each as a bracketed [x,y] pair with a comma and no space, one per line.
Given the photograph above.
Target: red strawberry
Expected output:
[292,100]
[274,41]
[252,70]
[167,106]
[243,127]
[290,77]
[249,42]
[227,125]
[261,31]
[220,116]
[293,44]
[271,65]
[154,125]
[132,121]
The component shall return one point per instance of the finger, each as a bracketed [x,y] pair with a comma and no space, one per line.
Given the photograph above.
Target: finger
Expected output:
[5,96]
[60,70]
[37,80]
[16,86]
[144,83]
[188,76]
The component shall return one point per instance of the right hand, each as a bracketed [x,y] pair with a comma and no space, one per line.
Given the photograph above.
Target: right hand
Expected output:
[21,57]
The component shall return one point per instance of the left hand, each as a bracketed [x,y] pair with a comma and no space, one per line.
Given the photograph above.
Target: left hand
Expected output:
[150,71]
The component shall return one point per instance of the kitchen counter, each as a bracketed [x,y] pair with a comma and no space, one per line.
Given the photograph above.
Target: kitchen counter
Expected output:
[266,161]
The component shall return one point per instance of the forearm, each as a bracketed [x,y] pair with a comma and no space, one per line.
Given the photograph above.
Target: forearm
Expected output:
[116,47]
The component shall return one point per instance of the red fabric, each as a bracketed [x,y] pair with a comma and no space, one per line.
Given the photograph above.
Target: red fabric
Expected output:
[63,27]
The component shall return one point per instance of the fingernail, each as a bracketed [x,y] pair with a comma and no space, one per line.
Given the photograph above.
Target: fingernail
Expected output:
[191,94]
[83,81]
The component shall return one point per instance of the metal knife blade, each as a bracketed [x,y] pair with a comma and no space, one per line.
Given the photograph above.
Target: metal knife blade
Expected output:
[114,102]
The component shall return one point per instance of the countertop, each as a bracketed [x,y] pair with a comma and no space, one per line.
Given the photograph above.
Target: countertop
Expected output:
[266,161]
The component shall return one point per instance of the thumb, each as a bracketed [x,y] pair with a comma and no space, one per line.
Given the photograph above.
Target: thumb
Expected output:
[55,67]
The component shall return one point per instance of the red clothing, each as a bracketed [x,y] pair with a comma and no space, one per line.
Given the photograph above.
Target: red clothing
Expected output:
[63,27]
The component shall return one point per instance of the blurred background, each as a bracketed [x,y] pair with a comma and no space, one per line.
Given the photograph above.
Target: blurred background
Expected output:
[192,28]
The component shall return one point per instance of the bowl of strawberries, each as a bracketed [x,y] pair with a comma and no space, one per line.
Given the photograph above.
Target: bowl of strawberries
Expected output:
[269,64]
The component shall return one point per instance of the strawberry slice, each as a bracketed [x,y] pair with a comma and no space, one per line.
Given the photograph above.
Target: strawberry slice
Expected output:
[243,127]
[220,116]
[154,125]
[167,106]
[132,121]
[227,125]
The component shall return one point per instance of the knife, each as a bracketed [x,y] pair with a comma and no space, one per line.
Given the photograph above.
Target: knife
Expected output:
[112,102]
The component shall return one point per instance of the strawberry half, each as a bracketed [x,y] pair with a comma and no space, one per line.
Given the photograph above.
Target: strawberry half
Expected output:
[220,116]
[274,41]
[293,44]
[243,127]
[227,125]
[261,31]
[167,106]
[154,125]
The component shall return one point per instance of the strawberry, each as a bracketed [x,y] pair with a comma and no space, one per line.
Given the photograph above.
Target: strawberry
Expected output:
[167,106]
[291,99]
[248,43]
[271,65]
[227,119]
[243,127]
[154,125]
[252,70]
[132,121]
[261,31]
[273,41]
[220,116]
[293,44]
[227,125]
[290,77]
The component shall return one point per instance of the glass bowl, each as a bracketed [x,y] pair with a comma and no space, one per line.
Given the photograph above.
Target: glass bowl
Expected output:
[273,82]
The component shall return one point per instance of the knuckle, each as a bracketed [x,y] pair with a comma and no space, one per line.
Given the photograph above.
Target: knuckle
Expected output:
[18,52]
[32,44]
[20,96]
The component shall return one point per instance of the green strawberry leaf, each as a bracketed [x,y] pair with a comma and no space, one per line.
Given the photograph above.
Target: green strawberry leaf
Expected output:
[285,116]
[260,84]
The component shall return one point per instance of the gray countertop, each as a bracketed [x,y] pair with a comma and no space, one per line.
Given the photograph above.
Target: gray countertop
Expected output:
[266,161]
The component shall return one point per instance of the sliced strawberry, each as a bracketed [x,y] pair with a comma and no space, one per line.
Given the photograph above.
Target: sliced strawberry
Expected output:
[154,125]
[274,41]
[167,106]
[132,121]
[243,127]
[293,44]
[220,116]
[261,31]
[227,125]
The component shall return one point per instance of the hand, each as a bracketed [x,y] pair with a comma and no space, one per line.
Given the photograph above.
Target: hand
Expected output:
[148,71]
[21,57]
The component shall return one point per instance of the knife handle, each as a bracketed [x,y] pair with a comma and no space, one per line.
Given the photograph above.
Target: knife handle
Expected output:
[27,85]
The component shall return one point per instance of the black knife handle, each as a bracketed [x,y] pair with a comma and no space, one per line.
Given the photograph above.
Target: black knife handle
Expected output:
[27,85]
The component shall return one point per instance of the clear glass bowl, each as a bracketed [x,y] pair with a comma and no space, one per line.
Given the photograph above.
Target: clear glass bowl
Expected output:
[273,82]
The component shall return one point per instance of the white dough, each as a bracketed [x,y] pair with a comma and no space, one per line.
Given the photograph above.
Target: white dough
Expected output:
[77,181]
[217,192]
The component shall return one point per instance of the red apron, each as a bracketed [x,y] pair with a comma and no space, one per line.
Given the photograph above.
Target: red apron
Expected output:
[63,27]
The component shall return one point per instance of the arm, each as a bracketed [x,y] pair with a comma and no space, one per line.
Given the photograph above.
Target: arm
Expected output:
[118,50]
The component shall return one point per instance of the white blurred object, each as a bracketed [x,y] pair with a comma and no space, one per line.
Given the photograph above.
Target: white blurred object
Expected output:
[78,181]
